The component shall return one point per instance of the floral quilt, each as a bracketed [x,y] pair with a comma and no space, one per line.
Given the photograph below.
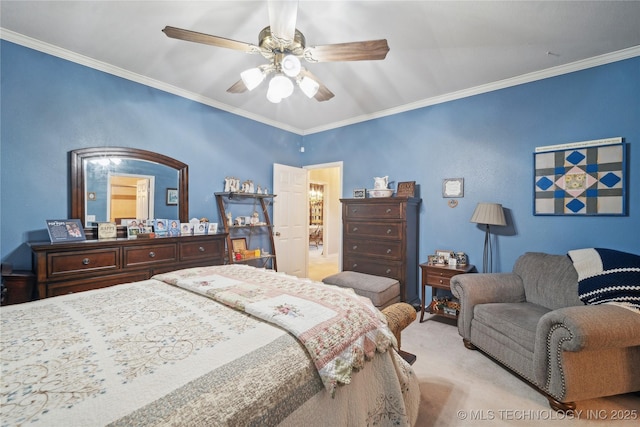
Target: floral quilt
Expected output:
[339,329]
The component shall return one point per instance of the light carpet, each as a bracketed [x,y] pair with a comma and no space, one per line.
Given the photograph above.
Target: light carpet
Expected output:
[320,264]
[462,387]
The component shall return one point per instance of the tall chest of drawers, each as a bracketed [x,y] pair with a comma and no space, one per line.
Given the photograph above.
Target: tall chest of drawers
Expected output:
[63,268]
[380,237]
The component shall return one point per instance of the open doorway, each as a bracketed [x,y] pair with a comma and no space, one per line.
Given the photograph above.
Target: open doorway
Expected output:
[130,196]
[325,219]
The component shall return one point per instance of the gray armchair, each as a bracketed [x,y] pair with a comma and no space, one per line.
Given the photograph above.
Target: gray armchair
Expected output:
[532,322]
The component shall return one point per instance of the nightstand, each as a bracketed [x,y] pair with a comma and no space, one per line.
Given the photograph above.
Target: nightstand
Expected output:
[19,286]
[438,277]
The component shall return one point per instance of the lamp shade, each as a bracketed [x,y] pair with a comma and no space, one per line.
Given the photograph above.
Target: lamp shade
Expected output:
[280,87]
[308,86]
[291,65]
[252,77]
[489,213]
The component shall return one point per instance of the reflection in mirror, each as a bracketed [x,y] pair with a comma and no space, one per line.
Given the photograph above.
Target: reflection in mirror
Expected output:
[130,196]
[114,183]
[127,190]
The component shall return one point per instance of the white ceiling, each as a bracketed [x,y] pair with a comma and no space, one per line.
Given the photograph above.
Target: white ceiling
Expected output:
[439,50]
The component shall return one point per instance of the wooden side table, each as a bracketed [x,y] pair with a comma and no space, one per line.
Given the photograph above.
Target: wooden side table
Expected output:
[19,285]
[438,277]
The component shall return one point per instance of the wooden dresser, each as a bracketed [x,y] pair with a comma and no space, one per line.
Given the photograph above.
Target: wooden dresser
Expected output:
[63,268]
[381,238]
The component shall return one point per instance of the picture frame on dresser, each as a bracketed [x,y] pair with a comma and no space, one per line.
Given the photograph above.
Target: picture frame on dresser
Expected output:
[65,230]
[406,189]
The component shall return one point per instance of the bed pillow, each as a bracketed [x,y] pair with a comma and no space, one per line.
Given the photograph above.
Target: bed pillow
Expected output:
[607,276]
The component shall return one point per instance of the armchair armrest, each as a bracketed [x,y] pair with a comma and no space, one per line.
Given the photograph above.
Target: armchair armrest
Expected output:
[590,327]
[473,289]
[598,330]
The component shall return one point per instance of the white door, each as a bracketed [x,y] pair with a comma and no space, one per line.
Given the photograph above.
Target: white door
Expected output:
[291,219]
[142,199]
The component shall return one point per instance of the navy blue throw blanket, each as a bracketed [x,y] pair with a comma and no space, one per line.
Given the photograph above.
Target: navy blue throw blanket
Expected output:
[607,276]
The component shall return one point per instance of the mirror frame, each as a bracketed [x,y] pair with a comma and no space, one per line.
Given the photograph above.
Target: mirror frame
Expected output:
[76,166]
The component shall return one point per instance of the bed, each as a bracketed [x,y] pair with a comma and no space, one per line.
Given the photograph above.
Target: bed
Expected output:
[226,345]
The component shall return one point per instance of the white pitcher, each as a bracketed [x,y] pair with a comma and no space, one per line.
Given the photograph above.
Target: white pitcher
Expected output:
[380,183]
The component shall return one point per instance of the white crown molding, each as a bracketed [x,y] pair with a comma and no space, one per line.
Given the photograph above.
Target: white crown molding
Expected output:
[502,84]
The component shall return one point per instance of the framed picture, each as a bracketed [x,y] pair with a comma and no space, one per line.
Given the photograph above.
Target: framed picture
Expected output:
[580,178]
[107,230]
[406,189]
[359,193]
[172,196]
[239,244]
[453,187]
[65,230]
[213,228]
[445,254]
[185,228]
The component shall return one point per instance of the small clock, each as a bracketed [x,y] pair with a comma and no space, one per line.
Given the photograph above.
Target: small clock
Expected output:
[453,187]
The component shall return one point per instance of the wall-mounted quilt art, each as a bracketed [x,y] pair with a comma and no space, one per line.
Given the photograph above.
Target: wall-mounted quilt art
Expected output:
[580,178]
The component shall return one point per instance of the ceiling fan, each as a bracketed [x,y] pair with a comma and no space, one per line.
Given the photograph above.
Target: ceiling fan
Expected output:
[283,45]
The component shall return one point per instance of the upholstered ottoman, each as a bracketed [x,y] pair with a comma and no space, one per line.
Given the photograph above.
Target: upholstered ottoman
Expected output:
[382,291]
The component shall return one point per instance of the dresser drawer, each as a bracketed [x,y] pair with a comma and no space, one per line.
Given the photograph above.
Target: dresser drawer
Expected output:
[374,211]
[82,262]
[377,230]
[440,278]
[386,249]
[201,250]
[376,267]
[151,254]
[73,286]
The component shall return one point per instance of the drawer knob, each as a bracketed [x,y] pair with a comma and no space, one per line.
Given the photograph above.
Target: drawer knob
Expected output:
[86,261]
[389,251]
[441,281]
[388,271]
[355,228]
[388,210]
[355,210]
[354,266]
[388,231]
[355,247]
[152,254]
[201,249]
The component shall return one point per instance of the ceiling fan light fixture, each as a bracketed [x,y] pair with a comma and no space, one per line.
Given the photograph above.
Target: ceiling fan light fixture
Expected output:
[291,65]
[308,86]
[280,87]
[252,77]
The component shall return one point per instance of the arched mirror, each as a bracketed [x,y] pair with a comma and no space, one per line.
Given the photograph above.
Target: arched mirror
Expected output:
[114,183]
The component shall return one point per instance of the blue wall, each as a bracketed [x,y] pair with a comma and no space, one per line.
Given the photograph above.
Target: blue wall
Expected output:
[489,141]
[51,106]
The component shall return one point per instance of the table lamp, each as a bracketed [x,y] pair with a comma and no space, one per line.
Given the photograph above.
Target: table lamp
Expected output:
[488,214]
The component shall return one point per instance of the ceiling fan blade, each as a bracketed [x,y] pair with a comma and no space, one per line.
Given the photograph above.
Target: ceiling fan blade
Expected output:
[193,36]
[323,94]
[355,51]
[282,19]
[237,87]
